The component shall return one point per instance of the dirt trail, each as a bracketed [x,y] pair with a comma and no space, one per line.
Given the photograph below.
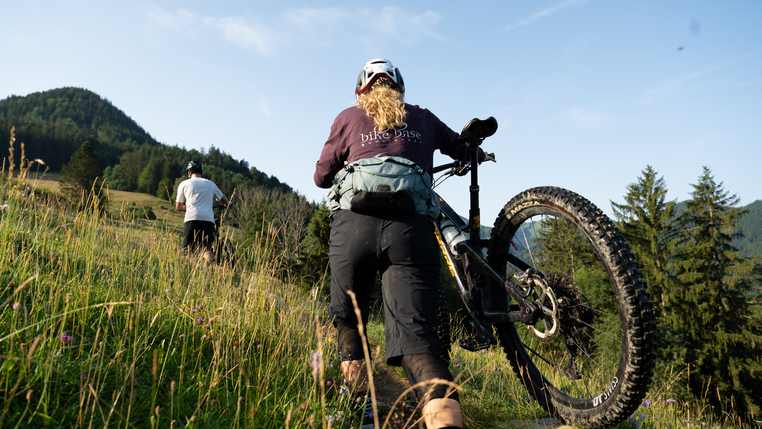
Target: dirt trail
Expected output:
[389,387]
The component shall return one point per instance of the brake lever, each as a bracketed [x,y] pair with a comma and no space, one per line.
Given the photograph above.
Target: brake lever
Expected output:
[461,168]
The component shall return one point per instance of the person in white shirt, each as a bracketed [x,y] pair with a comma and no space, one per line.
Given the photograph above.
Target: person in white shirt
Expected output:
[195,197]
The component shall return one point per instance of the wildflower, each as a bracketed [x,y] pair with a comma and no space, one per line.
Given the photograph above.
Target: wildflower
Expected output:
[182,336]
[200,307]
[104,271]
[67,338]
[17,306]
[83,376]
[328,383]
[670,401]
[206,326]
[181,310]
[646,403]
[530,399]
[200,320]
[457,365]
[259,346]
[343,390]
[315,358]
[203,337]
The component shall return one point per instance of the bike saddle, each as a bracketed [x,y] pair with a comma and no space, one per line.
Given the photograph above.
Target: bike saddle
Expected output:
[477,130]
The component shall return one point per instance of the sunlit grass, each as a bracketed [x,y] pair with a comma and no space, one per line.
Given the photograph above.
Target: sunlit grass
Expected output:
[104,324]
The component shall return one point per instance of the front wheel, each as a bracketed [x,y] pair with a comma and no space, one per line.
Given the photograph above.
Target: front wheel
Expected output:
[594,371]
[225,253]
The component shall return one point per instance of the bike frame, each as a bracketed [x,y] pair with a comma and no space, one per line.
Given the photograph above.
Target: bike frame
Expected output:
[473,288]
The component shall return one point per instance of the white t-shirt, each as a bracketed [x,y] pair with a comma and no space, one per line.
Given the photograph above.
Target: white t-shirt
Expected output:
[198,195]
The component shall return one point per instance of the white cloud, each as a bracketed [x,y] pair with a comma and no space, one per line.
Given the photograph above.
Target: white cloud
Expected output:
[22,43]
[651,95]
[586,118]
[240,33]
[264,107]
[311,26]
[547,12]
[182,21]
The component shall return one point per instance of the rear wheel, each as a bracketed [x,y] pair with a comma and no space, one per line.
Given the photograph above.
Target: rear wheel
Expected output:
[589,358]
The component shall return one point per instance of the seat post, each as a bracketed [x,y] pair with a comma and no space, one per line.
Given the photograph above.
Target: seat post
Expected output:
[474,225]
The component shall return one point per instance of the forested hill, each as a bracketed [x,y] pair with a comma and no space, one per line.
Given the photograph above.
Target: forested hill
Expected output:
[53,125]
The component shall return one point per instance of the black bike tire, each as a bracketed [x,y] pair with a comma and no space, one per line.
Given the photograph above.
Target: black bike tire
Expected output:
[634,370]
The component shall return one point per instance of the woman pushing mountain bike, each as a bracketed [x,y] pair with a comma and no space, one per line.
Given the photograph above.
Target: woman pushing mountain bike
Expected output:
[577,331]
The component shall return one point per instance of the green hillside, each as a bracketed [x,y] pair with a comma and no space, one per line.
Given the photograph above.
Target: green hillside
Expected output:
[53,125]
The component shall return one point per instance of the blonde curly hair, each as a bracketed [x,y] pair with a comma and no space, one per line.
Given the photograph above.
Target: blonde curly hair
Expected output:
[384,105]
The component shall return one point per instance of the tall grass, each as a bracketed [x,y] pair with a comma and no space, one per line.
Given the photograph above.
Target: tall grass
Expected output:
[104,324]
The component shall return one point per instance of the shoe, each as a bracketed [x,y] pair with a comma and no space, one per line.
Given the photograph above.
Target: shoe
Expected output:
[365,413]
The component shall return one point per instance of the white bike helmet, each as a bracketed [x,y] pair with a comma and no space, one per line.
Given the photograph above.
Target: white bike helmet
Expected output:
[378,68]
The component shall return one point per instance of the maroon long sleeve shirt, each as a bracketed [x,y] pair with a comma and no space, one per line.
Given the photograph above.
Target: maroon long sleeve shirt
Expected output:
[354,136]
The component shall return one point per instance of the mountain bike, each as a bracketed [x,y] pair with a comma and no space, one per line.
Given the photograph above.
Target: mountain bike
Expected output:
[557,287]
[224,249]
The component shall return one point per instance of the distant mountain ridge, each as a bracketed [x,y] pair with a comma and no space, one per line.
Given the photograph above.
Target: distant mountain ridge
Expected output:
[53,125]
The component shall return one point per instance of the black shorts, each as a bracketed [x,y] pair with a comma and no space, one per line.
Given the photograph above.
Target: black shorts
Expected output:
[197,232]
[404,250]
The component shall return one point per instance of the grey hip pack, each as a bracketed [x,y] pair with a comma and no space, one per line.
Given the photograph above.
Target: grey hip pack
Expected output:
[383,185]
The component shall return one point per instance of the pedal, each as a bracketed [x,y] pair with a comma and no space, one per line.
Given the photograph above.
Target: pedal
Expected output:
[474,343]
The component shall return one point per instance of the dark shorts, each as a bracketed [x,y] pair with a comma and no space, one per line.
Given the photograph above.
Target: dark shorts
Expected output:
[197,232]
[404,250]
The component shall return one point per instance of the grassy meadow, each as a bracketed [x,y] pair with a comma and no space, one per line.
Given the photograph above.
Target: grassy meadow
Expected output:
[104,324]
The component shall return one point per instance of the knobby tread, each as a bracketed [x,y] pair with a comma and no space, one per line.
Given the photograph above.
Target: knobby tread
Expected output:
[636,371]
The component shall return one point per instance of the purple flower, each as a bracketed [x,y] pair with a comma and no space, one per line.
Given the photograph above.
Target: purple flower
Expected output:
[182,336]
[646,403]
[67,338]
[206,326]
[343,390]
[17,306]
[259,346]
[200,320]
[200,307]
[182,311]
[670,400]
[203,337]
[104,271]
[328,383]
[457,365]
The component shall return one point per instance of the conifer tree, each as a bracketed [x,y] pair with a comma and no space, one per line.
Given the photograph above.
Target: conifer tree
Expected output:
[707,299]
[82,173]
[313,261]
[644,219]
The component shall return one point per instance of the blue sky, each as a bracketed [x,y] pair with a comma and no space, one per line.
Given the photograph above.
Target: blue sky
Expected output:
[587,93]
